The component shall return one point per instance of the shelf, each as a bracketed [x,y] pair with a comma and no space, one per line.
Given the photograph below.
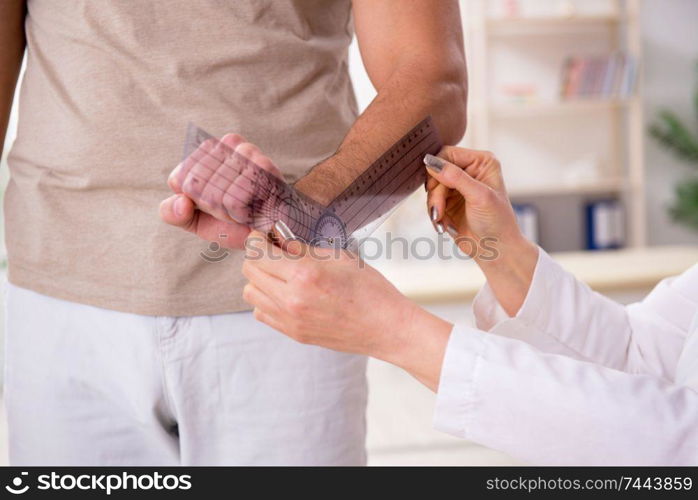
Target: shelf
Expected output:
[530,25]
[526,109]
[528,52]
[613,185]
[605,271]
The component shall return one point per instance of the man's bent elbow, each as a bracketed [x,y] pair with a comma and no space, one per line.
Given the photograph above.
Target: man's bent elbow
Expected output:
[453,107]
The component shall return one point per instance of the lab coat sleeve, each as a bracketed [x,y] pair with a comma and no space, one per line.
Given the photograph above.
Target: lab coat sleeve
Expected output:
[546,408]
[562,315]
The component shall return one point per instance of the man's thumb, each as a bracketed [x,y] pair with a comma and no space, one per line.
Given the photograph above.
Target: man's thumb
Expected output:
[177,210]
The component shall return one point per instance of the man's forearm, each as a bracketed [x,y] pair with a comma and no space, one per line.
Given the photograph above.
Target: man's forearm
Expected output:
[409,95]
[12,43]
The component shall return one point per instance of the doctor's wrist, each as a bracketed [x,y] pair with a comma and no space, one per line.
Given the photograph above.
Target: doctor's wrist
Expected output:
[510,253]
[510,274]
[421,344]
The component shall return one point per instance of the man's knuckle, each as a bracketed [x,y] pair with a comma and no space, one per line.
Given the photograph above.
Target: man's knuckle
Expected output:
[173,178]
[208,144]
[209,198]
[190,186]
[246,149]
[231,137]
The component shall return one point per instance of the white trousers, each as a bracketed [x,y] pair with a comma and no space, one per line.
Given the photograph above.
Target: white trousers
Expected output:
[90,386]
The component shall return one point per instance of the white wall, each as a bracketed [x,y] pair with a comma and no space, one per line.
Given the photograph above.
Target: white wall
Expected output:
[362,84]
[670,31]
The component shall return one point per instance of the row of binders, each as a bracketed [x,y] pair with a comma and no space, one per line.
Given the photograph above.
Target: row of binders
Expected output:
[604,223]
[611,76]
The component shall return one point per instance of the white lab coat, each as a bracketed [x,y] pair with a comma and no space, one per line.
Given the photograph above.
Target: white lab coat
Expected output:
[575,378]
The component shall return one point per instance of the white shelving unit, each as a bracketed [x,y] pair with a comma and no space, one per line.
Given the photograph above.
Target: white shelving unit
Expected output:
[610,129]
[525,109]
[597,187]
[515,24]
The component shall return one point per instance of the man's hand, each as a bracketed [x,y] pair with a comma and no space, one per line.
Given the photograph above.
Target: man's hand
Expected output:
[330,298]
[211,198]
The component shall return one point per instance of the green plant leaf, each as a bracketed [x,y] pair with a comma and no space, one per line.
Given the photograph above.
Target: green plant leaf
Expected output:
[671,133]
[695,95]
[685,207]
[675,136]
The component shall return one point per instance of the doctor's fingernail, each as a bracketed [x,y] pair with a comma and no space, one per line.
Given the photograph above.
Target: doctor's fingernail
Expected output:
[451,229]
[434,162]
[284,230]
[439,228]
[434,214]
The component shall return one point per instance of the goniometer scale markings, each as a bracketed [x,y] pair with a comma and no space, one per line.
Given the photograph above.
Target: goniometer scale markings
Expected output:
[375,185]
[418,167]
[379,187]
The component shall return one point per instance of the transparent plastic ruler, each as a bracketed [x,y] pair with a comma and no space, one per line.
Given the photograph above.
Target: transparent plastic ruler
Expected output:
[227,184]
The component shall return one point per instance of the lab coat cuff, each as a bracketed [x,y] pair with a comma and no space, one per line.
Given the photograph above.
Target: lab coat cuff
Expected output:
[455,400]
[536,309]
[487,310]
[489,313]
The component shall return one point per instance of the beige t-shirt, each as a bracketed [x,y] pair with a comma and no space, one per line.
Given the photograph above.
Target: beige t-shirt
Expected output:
[108,91]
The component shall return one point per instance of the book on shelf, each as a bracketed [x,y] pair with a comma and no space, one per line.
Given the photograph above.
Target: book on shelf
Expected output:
[605,225]
[606,77]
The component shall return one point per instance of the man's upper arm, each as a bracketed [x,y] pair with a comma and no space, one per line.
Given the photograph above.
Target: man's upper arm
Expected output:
[413,53]
[427,33]
[12,43]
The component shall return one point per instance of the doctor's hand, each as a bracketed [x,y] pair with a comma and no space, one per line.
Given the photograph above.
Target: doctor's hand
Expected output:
[200,206]
[331,298]
[467,197]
